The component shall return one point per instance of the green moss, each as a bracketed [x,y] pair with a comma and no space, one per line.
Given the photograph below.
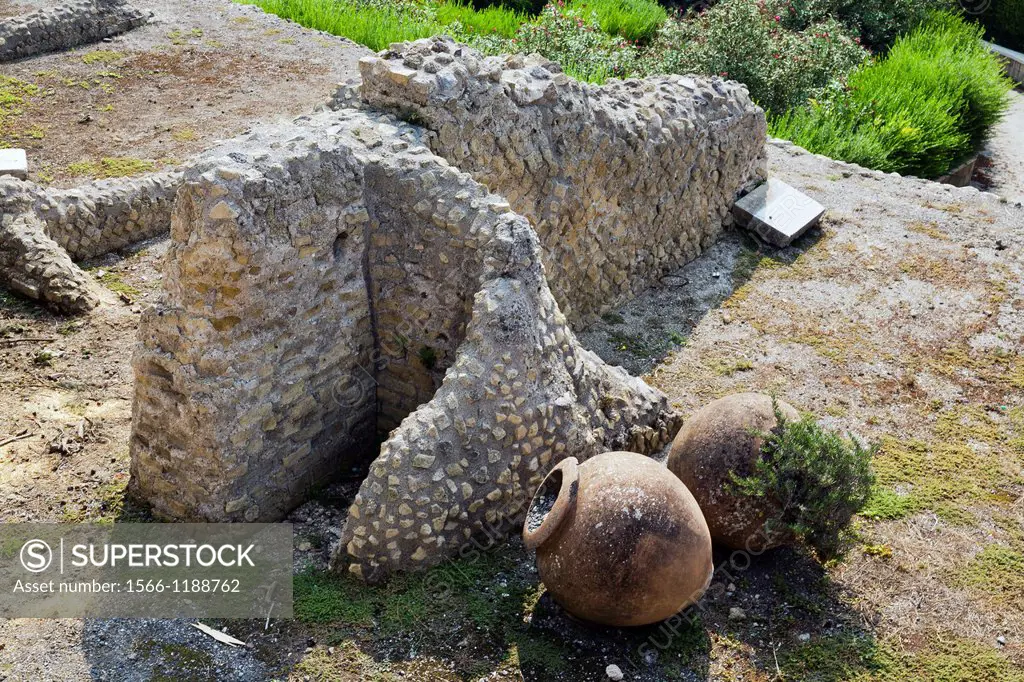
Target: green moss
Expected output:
[102,57]
[15,95]
[859,658]
[106,506]
[727,369]
[113,281]
[996,571]
[539,653]
[878,551]
[184,135]
[887,504]
[177,662]
[324,597]
[111,167]
[613,318]
[428,356]
[974,458]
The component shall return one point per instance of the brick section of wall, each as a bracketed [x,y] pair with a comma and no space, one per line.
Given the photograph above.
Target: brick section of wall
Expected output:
[250,383]
[622,182]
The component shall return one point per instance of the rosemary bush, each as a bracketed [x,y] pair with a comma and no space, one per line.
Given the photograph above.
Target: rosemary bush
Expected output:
[817,479]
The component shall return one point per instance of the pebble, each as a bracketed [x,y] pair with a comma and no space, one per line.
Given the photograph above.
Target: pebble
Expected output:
[805,637]
[613,672]
[736,613]
[1000,640]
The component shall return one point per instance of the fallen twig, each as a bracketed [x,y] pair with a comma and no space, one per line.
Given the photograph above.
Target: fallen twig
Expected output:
[7,441]
[11,342]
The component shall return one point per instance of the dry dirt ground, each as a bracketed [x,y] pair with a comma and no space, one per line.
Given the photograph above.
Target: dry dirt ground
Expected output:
[200,71]
[900,320]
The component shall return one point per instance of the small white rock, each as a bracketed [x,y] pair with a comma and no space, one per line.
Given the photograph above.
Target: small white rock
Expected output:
[736,613]
[805,637]
[613,672]
[1000,640]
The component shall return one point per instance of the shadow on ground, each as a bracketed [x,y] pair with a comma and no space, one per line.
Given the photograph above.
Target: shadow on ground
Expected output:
[487,616]
[641,333]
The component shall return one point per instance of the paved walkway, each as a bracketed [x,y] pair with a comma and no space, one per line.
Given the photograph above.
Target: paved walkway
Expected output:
[1007,150]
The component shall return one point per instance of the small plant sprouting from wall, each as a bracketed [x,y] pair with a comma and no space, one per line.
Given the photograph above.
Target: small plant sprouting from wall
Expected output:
[817,478]
[428,356]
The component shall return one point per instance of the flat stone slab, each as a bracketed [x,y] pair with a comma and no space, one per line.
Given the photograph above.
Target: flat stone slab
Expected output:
[777,213]
[14,162]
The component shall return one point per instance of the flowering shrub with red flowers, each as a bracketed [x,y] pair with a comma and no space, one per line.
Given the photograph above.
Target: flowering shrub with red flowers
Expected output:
[749,41]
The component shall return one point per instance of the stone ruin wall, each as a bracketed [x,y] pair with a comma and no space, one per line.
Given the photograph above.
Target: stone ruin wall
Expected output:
[249,388]
[44,229]
[332,278]
[623,182]
[65,27]
[107,215]
[242,399]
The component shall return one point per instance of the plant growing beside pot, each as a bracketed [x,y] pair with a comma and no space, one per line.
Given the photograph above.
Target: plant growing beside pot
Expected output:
[620,540]
[765,476]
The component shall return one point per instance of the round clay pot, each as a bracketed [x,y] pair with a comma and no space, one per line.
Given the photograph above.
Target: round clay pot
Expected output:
[716,441]
[620,540]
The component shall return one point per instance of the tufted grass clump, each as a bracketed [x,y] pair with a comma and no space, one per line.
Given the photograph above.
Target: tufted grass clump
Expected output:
[111,167]
[635,20]
[926,105]
[494,20]
[817,479]
[375,25]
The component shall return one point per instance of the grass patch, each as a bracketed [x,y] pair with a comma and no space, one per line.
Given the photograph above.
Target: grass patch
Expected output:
[14,97]
[494,20]
[107,506]
[885,504]
[113,281]
[370,25]
[111,167]
[998,573]
[185,135]
[636,20]
[726,369]
[973,459]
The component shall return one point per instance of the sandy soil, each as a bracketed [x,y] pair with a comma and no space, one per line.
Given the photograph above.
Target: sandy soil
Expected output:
[200,71]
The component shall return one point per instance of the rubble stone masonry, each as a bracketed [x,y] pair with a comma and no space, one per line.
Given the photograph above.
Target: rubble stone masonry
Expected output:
[335,278]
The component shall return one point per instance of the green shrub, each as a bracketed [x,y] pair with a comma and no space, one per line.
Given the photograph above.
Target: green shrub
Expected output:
[931,100]
[635,20]
[876,22]
[745,41]
[375,25]
[818,480]
[578,44]
[490,20]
